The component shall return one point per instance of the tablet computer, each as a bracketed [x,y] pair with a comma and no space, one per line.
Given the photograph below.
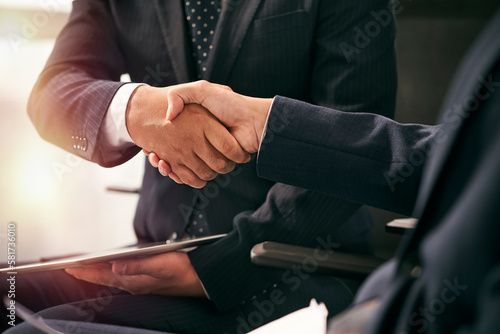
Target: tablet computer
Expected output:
[112,255]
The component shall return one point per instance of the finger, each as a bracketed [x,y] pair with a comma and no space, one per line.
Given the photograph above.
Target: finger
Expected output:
[163,165]
[153,159]
[198,167]
[164,168]
[95,274]
[226,144]
[154,266]
[102,265]
[140,284]
[175,178]
[187,176]
[145,152]
[214,159]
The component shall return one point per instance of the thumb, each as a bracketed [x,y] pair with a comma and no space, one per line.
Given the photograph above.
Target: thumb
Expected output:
[180,95]
[193,92]
[224,87]
[142,266]
[175,105]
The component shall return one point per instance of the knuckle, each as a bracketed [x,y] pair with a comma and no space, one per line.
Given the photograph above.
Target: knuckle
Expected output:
[193,181]
[199,184]
[220,164]
[207,174]
[227,147]
[229,167]
[240,157]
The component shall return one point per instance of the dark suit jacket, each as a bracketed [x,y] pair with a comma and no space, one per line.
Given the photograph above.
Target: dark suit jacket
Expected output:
[261,48]
[446,276]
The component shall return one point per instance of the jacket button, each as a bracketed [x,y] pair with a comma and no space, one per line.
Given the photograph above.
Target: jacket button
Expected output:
[411,266]
[416,271]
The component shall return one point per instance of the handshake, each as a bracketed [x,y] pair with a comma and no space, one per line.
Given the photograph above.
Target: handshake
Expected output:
[193,132]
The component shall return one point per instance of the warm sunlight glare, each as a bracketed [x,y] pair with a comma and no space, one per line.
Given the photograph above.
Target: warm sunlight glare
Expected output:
[36,180]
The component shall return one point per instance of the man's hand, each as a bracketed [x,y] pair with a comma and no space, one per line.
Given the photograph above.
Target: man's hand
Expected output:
[195,145]
[165,274]
[244,116]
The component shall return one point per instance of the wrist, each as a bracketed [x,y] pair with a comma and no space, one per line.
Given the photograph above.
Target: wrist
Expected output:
[145,105]
[261,113]
[132,118]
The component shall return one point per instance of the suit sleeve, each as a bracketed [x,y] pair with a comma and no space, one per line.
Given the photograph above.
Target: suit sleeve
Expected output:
[73,92]
[363,82]
[360,157]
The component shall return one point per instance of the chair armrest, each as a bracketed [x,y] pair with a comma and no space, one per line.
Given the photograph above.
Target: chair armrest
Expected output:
[400,226]
[347,265]
[126,190]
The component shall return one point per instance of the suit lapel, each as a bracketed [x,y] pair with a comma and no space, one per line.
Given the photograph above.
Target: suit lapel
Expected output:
[172,20]
[478,62]
[232,28]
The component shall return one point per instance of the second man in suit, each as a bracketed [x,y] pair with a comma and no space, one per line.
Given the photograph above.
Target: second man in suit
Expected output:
[338,54]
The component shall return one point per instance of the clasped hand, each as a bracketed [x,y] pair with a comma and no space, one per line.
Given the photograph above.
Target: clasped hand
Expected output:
[196,146]
[193,132]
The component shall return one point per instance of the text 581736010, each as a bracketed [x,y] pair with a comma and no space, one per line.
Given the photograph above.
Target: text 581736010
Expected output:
[11,280]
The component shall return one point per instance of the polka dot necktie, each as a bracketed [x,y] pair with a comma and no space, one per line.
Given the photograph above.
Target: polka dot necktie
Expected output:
[198,227]
[202,17]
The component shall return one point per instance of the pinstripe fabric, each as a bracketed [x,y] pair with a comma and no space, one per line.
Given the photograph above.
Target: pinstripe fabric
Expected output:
[365,152]
[199,316]
[261,48]
[445,277]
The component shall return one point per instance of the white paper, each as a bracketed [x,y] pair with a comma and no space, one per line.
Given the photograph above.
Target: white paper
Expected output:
[311,320]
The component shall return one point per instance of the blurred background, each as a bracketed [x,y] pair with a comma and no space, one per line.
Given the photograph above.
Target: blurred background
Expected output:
[59,202]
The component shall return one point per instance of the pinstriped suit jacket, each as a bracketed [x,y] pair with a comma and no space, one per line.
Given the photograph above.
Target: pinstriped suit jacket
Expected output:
[261,48]
[446,276]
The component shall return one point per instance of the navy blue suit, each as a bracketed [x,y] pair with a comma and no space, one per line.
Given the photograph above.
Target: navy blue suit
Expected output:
[446,276]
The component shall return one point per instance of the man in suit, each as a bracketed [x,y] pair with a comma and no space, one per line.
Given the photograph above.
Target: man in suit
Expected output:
[446,276]
[296,48]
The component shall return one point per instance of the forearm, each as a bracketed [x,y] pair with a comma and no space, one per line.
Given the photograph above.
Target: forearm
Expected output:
[71,97]
[360,157]
[68,109]
[290,215]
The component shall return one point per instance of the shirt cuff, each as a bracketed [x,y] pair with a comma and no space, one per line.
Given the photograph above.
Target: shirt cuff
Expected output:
[265,127]
[206,293]
[114,130]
